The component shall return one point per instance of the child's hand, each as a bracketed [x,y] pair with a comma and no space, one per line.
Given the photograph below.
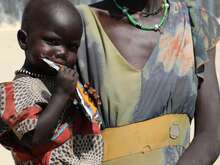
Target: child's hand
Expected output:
[66,81]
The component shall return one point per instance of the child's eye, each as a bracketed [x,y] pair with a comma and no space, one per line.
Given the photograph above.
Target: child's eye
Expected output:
[52,41]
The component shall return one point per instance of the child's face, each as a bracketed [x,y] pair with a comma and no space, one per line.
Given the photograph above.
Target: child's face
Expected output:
[57,40]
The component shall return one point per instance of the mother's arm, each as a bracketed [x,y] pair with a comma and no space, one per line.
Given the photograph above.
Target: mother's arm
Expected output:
[205,147]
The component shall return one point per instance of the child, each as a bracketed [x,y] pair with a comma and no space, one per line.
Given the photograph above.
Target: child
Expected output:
[38,121]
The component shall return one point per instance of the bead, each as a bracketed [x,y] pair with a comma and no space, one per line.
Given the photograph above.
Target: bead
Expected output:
[133,21]
[86,85]
[156,27]
[125,10]
[167,5]
[139,25]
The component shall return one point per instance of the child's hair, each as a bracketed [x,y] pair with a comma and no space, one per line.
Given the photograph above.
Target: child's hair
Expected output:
[35,10]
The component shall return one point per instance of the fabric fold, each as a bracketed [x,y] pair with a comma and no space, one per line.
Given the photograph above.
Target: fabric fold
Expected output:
[206,34]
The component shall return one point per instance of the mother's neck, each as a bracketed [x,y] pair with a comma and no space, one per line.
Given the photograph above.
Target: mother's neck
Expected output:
[138,5]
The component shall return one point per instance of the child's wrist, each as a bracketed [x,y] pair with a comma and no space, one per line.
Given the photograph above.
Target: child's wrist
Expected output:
[62,93]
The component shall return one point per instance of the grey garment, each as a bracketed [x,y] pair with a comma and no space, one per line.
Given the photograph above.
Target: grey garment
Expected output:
[178,96]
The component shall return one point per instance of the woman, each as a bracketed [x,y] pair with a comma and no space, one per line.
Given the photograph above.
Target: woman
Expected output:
[152,61]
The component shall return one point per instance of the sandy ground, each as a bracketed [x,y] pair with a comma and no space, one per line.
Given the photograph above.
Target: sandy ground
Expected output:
[11,58]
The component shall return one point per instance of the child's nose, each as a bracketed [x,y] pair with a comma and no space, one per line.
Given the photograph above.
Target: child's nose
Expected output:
[61,52]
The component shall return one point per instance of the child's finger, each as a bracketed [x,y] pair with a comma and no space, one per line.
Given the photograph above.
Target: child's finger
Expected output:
[62,68]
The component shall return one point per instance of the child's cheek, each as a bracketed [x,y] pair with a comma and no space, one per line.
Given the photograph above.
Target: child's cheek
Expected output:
[71,59]
[45,50]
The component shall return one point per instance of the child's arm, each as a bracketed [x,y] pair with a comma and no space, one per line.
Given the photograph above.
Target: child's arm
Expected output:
[48,119]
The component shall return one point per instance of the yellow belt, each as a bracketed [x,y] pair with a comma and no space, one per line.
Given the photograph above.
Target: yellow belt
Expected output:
[167,130]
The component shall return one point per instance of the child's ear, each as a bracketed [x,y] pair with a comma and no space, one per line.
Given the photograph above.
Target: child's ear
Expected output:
[22,39]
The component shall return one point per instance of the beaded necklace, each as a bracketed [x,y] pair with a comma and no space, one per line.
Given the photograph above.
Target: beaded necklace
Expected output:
[26,72]
[146,13]
[134,22]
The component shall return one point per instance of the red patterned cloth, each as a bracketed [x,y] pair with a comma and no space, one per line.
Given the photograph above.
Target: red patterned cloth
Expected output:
[75,139]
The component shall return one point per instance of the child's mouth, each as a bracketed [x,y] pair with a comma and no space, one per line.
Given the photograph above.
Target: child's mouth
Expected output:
[52,64]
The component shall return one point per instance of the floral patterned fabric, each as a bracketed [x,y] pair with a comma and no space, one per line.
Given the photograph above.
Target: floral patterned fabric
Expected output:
[205,32]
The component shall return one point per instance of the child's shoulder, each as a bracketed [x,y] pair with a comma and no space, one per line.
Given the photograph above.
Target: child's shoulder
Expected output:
[24,85]
[25,80]
[22,93]
[20,99]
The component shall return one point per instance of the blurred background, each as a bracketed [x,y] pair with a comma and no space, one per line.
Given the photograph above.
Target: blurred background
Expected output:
[11,57]
[10,10]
